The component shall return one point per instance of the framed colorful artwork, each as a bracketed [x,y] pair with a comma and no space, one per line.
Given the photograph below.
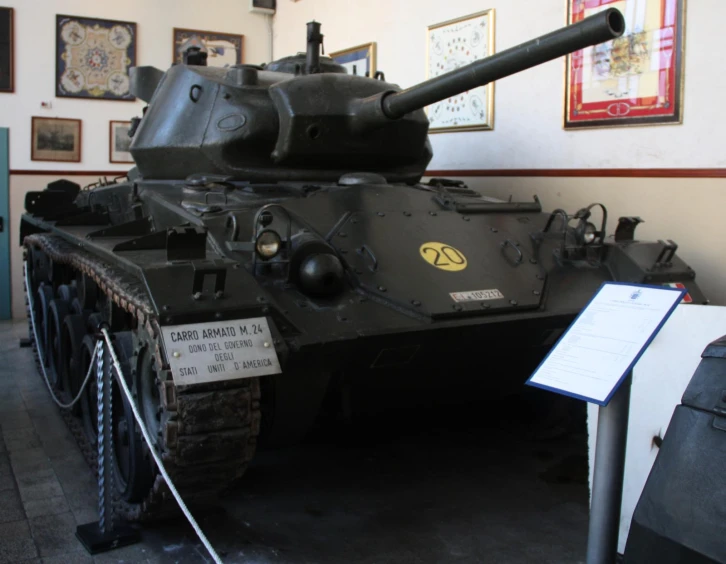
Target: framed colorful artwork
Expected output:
[93,58]
[119,142]
[636,79]
[451,45]
[55,139]
[7,75]
[360,60]
[222,49]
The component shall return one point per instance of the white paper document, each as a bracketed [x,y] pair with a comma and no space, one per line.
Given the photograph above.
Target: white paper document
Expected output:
[606,340]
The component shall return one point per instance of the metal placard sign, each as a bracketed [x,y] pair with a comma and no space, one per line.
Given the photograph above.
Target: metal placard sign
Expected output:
[600,348]
[220,350]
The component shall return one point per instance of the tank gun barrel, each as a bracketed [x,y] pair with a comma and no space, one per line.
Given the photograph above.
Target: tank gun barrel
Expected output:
[603,26]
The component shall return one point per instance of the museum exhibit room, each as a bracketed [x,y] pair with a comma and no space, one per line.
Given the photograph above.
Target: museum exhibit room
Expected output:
[339,281]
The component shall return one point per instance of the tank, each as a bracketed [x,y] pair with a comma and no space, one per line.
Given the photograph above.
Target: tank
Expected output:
[275,250]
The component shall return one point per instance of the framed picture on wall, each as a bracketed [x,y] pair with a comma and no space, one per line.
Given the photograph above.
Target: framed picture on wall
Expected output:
[222,49]
[7,75]
[119,142]
[55,139]
[451,45]
[636,79]
[93,58]
[360,60]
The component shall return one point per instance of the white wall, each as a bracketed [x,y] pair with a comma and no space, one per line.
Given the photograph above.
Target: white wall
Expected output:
[35,64]
[528,115]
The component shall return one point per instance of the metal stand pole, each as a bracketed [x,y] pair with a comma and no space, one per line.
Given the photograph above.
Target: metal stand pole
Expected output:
[105,503]
[607,486]
[106,534]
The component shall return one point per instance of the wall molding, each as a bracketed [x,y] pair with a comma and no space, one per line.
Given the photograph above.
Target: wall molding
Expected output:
[589,172]
[113,173]
[548,172]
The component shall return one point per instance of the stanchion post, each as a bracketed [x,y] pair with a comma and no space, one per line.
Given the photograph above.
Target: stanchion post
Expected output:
[607,483]
[105,475]
[105,534]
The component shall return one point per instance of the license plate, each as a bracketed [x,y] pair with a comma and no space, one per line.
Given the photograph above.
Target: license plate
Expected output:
[220,350]
[477,295]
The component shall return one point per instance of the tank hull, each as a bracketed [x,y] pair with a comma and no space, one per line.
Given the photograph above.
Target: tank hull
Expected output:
[438,284]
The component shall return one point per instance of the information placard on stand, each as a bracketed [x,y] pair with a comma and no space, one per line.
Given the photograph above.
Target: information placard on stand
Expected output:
[600,348]
[593,361]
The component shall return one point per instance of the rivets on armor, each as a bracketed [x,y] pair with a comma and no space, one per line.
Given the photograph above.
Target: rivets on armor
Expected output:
[381,214]
[416,303]
[432,213]
[381,288]
[407,214]
[457,307]
[219,295]
[513,302]
[197,295]
[536,292]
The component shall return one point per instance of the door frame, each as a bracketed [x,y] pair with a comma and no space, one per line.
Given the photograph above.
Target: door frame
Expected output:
[5,290]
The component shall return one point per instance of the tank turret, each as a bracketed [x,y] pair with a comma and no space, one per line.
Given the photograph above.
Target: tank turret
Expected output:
[249,122]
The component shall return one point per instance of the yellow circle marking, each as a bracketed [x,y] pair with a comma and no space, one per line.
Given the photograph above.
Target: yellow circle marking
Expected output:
[443,256]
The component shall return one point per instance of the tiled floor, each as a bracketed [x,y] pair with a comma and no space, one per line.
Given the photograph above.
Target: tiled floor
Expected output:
[45,487]
[459,487]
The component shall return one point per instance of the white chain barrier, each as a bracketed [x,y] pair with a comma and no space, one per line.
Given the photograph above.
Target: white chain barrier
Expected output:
[98,355]
[150,443]
[41,354]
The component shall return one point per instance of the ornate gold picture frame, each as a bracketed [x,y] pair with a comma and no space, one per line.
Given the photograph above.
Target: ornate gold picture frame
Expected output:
[635,80]
[453,44]
[359,60]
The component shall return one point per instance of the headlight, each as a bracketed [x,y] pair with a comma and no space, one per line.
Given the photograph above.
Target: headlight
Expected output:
[268,244]
[590,234]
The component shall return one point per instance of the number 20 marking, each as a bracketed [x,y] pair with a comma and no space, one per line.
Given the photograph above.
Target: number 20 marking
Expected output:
[442,256]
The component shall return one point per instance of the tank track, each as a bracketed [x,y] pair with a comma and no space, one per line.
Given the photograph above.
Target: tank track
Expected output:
[208,433]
